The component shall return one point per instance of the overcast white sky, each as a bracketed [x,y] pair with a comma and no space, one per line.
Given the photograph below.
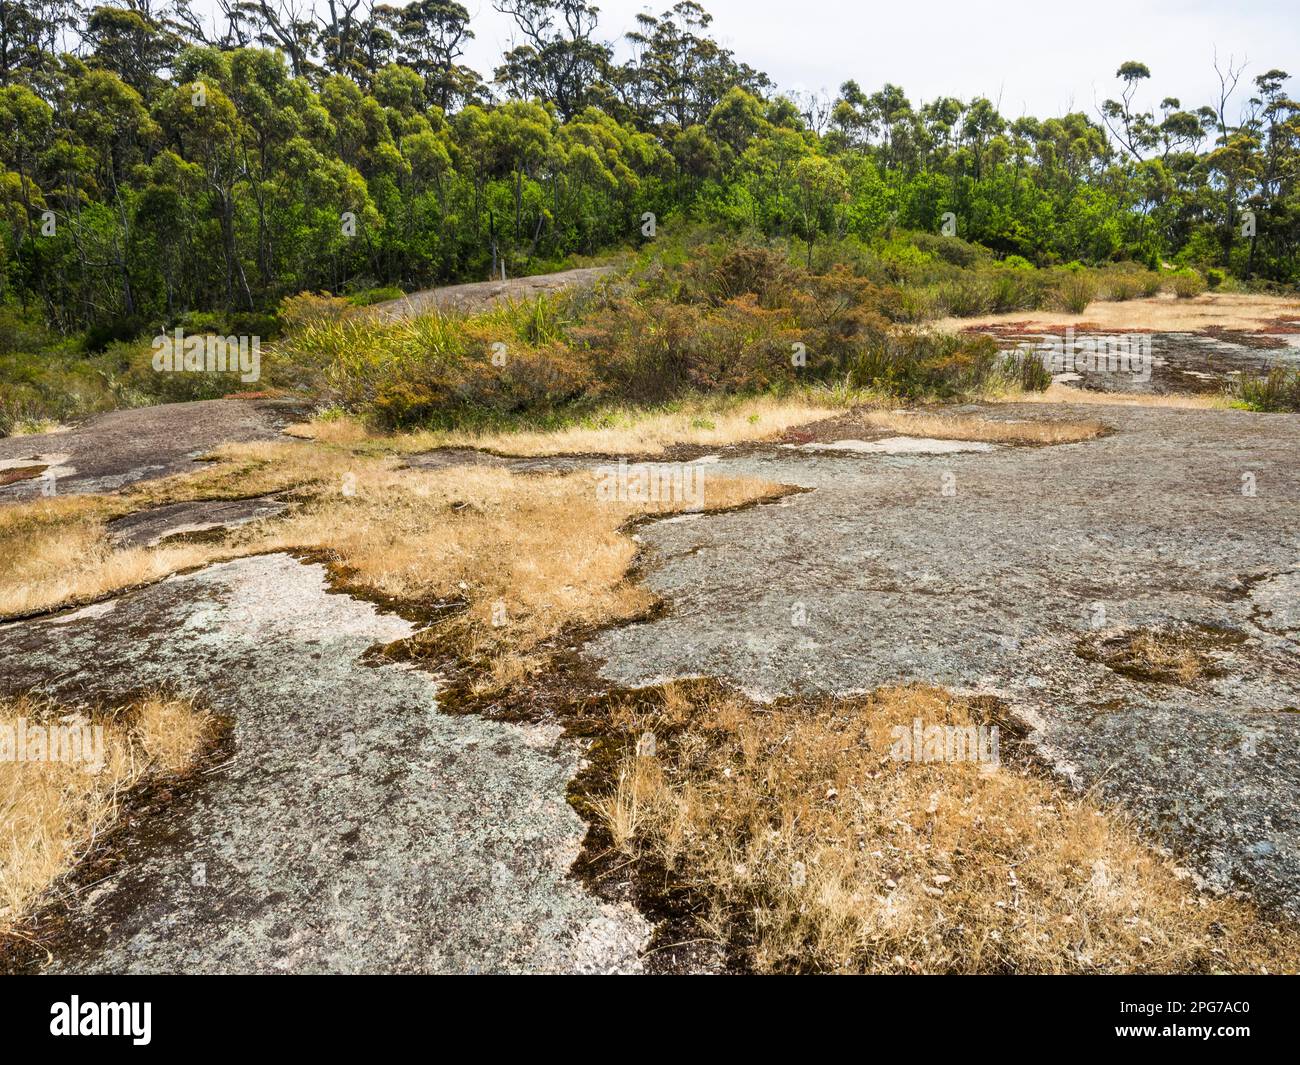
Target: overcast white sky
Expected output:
[1038,58]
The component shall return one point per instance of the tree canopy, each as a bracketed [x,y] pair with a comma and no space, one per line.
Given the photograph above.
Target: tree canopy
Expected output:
[152,164]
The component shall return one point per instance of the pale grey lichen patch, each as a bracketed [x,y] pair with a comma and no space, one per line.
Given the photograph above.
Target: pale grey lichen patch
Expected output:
[356,828]
[149,527]
[94,610]
[1278,602]
[122,447]
[54,459]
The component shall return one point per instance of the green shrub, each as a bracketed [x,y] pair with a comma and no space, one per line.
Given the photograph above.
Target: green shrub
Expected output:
[309,308]
[436,369]
[1278,390]
[1075,289]
[23,332]
[178,386]
[541,320]
[915,365]
[966,297]
[1033,374]
[1124,284]
[1214,277]
[903,263]
[366,297]
[916,304]
[1186,284]
[1015,289]
[729,271]
[952,250]
[61,385]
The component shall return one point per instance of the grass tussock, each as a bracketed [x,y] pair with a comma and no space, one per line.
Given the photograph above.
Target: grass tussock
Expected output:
[1277,391]
[1156,656]
[1076,291]
[54,809]
[1170,654]
[808,847]
[613,431]
[971,427]
[1064,394]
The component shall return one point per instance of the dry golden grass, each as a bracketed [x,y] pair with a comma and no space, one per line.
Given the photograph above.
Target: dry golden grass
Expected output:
[1173,656]
[973,427]
[810,845]
[37,427]
[55,552]
[333,430]
[1161,314]
[74,563]
[53,810]
[1058,393]
[1160,656]
[807,842]
[527,555]
[629,431]
[171,731]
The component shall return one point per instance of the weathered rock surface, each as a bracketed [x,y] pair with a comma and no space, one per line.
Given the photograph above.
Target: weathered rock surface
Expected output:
[1161,362]
[446,457]
[985,571]
[357,828]
[482,295]
[147,527]
[119,448]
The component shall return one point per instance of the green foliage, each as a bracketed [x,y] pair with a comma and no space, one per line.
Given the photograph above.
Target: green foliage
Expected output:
[1126,283]
[726,318]
[919,366]
[366,296]
[150,180]
[1276,391]
[1075,289]
[1186,284]
[359,158]
[47,379]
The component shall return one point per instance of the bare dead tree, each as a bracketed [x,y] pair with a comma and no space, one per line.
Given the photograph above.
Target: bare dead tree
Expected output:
[1228,76]
[292,25]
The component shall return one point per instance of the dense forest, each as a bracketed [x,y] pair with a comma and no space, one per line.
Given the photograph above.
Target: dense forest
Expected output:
[152,163]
